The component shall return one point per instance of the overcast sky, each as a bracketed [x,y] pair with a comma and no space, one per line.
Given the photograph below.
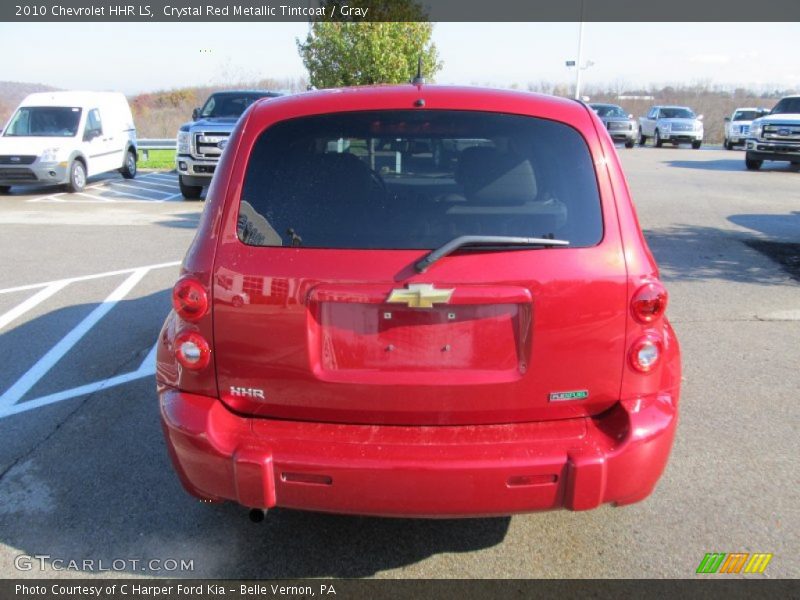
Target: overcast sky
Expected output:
[145,57]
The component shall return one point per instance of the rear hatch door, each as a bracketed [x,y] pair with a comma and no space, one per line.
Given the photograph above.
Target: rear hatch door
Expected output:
[320,313]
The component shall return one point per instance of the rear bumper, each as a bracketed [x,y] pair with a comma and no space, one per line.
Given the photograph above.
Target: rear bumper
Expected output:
[434,471]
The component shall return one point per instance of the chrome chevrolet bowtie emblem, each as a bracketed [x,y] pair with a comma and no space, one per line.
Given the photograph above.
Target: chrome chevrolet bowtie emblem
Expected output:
[420,295]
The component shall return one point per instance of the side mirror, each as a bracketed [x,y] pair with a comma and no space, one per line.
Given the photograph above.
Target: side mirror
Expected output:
[727,119]
[195,114]
[700,117]
[630,116]
[90,135]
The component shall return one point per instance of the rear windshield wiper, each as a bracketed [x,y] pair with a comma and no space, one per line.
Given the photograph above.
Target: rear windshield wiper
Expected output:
[500,241]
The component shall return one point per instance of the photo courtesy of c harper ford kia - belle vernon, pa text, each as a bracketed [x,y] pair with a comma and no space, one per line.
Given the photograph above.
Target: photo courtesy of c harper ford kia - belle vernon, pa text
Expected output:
[399,299]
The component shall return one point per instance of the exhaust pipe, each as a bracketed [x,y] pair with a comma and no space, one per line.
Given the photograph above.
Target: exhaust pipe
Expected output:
[257,514]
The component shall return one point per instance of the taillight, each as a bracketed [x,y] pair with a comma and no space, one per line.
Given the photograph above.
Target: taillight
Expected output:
[649,302]
[646,353]
[192,350]
[189,299]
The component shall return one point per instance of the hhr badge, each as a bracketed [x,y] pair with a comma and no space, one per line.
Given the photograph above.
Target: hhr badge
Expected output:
[243,392]
[420,295]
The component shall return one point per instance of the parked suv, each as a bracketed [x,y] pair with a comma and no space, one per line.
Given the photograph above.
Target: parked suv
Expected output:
[360,329]
[674,124]
[621,126]
[775,136]
[737,126]
[201,141]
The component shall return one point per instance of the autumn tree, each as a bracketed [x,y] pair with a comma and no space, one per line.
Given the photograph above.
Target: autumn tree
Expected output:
[384,49]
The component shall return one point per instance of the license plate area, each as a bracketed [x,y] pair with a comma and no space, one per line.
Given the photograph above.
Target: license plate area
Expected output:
[385,337]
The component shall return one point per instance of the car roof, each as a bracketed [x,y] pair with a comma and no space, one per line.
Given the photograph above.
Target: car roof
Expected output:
[445,97]
[73,98]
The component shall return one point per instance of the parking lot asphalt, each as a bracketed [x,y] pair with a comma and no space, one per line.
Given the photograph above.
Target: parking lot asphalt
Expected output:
[84,475]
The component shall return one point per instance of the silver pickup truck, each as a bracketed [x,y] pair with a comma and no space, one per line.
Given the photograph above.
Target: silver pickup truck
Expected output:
[200,142]
[674,124]
[775,136]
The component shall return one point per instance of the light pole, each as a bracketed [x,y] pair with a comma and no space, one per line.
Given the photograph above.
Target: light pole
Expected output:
[579,67]
[579,64]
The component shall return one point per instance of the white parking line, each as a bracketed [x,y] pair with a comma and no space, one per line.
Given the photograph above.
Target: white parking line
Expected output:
[31,302]
[15,393]
[51,198]
[10,400]
[138,187]
[96,198]
[124,196]
[33,286]
[146,369]
[141,182]
[154,179]
[55,197]
[166,176]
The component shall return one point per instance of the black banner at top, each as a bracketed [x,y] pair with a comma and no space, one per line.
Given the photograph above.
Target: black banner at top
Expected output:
[400,10]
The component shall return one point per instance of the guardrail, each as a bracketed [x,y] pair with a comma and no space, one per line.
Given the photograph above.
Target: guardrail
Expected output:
[144,145]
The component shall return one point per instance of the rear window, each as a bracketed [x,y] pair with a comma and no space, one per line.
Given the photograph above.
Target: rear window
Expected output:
[416,180]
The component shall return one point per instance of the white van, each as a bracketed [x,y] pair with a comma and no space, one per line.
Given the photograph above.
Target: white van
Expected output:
[65,137]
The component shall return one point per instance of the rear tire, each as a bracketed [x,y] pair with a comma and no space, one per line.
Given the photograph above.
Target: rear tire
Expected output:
[128,170]
[77,177]
[657,140]
[752,164]
[696,145]
[642,138]
[629,143]
[4,189]
[189,192]
[727,144]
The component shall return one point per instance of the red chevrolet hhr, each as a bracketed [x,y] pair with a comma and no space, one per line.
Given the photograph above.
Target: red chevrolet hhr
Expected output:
[419,301]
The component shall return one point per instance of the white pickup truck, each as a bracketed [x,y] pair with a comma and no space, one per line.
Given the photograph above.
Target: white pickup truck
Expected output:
[775,136]
[200,141]
[674,124]
[737,126]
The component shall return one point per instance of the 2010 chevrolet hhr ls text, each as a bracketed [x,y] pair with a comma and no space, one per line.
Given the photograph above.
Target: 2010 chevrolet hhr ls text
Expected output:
[419,301]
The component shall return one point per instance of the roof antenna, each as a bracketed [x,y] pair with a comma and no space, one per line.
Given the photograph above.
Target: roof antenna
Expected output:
[419,79]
